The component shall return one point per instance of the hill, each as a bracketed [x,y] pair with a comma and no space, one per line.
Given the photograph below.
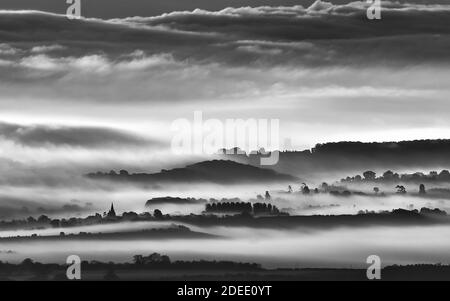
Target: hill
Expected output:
[344,157]
[215,171]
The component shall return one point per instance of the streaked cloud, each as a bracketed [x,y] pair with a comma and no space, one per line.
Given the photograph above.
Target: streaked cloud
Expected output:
[84,137]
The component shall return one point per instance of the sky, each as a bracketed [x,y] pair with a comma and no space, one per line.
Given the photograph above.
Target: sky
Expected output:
[107,88]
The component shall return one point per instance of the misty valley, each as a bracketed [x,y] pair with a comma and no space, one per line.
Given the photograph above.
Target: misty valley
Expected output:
[218,214]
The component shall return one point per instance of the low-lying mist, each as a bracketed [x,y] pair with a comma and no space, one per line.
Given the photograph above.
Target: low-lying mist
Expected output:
[327,204]
[97,196]
[340,247]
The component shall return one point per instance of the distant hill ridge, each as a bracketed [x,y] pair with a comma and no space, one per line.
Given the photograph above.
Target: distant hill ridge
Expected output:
[216,171]
[348,156]
[357,147]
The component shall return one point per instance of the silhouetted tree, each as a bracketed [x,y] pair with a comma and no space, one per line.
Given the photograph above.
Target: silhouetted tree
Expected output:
[267,196]
[305,189]
[376,190]
[138,259]
[157,213]
[43,219]
[369,175]
[422,189]
[154,257]
[124,173]
[55,223]
[444,175]
[165,259]
[27,262]
[31,220]
[388,175]
[401,189]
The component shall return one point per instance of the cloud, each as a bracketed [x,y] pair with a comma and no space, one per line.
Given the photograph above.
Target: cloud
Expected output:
[7,50]
[202,36]
[46,48]
[63,136]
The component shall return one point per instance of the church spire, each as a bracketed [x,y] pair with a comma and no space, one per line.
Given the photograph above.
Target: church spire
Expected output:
[112,212]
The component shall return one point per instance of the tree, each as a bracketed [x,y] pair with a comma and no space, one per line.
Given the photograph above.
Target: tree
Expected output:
[401,189]
[369,175]
[44,219]
[55,223]
[27,262]
[388,175]
[305,189]
[138,259]
[376,190]
[444,175]
[31,220]
[417,176]
[154,257]
[157,213]
[165,259]
[422,189]
[267,196]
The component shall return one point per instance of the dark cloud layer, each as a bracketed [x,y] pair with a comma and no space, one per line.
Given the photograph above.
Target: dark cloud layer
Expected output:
[327,32]
[210,53]
[119,9]
[84,137]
